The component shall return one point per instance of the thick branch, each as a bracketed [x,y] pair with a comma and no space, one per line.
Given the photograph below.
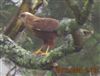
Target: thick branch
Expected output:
[75,9]
[86,11]
[26,59]
[81,16]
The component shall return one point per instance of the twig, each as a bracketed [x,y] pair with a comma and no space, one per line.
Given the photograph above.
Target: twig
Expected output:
[8,74]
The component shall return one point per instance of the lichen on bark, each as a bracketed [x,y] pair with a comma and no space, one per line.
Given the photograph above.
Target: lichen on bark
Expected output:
[25,58]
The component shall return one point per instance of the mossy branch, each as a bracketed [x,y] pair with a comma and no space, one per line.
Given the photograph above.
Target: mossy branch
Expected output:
[81,15]
[86,11]
[74,7]
[25,58]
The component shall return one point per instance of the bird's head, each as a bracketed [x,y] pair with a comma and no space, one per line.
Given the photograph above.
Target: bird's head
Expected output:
[27,17]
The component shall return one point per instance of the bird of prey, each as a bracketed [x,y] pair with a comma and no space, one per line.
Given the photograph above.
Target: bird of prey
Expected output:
[43,28]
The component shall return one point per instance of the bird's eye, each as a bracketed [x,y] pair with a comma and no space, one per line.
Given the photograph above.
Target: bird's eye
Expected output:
[22,15]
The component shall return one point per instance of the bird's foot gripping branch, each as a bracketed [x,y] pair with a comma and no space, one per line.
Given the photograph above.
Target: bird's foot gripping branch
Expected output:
[24,58]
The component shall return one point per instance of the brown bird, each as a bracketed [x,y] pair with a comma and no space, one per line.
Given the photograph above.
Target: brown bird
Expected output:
[43,28]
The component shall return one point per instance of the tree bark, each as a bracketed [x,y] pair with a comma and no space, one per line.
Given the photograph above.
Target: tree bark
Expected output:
[25,58]
[81,16]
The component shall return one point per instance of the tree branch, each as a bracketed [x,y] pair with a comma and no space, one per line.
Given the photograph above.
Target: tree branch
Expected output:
[81,16]
[85,11]
[75,9]
[26,59]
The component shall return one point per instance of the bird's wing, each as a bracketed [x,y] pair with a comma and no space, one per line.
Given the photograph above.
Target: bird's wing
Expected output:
[45,24]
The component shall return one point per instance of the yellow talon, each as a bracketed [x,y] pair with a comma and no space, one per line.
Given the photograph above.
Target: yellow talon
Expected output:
[40,52]
[47,50]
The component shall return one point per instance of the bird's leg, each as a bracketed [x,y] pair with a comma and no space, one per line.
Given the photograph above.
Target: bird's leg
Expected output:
[38,51]
[46,52]
[41,52]
[47,49]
